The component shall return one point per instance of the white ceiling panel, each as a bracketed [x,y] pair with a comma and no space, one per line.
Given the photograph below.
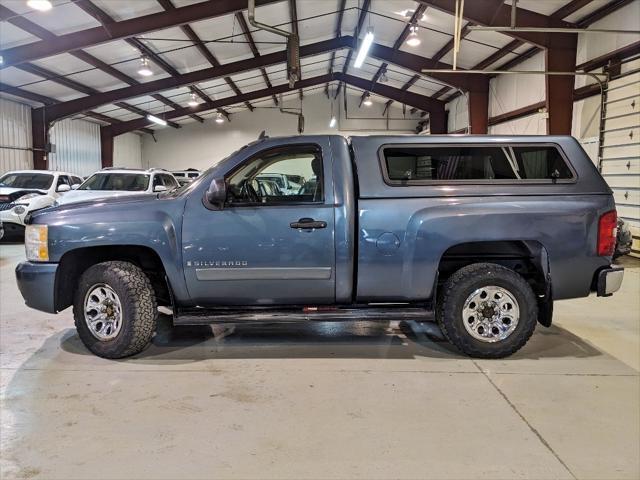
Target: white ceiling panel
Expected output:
[227,32]
[16,77]
[11,36]
[125,9]
[545,7]
[469,55]
[492,39]
[98,80]
[316,19]
[431,43]
[53,90]
[64,17]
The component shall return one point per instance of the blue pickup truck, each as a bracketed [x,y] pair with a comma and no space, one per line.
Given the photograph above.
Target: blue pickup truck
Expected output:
[479,233]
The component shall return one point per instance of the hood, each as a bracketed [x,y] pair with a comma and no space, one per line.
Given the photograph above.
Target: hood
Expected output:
[88,195]
[92,211]
[12,194]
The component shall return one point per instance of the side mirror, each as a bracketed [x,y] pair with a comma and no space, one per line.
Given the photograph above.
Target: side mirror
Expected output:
[159,188]
[75,186]
[216,194]
[63,188]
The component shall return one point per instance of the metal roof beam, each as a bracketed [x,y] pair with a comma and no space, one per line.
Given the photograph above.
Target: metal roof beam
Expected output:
[64,109]
[254,50]
[495,13]
[43,33]
[435,107]
[124,29]
[417,14]
[79,87]
[202,48]
[106,20]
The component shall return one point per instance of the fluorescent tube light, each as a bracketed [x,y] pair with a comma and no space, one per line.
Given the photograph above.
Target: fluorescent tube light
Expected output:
[364,48]
[154,119]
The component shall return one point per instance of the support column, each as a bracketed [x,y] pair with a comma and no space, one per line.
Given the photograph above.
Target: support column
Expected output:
[560,56]
[437,121]
[479,108]
[40,138]
[106,147]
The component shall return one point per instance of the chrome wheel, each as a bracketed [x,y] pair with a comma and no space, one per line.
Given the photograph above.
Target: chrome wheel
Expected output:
[490,314]
[103,312]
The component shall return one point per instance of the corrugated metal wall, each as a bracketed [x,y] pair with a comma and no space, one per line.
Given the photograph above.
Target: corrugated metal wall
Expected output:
[15,136]
[77,147]
[127,151]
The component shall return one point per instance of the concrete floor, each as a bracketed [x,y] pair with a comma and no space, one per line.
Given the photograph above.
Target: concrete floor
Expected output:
[359,400]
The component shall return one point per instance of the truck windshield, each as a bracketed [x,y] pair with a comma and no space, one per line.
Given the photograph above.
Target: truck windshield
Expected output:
[132,182]
[38,181]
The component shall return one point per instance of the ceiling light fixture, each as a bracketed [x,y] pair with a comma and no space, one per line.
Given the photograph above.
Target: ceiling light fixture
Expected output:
[145,69]
[158,120]
[40,5]
[364,48]
[332,122]
[367,100]
[193,102]
[413,40]
[407,14]
[219,118]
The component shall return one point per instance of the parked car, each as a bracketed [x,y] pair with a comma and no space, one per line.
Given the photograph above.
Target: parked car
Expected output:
[624,239]
[284,183]
[480,233]
[186,176]
[25,191]
[116,182]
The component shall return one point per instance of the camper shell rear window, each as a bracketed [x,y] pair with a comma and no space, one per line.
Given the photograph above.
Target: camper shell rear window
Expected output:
[425,164]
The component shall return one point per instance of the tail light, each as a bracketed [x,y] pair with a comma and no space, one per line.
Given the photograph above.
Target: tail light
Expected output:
[607,232]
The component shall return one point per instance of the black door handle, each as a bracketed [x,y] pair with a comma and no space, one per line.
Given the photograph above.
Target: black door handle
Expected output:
[308,224]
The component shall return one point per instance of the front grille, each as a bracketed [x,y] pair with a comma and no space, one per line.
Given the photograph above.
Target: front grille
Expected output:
[6,206]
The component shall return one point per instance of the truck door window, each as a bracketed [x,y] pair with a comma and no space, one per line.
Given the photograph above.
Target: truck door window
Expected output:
[268,178]
[417,164]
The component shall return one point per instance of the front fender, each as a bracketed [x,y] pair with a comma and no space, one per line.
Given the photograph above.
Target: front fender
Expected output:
[156,225]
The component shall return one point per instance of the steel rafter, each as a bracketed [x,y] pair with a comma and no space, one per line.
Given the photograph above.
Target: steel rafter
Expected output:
[202,48]
[106,20]
[254,49]
[36,30]
[124,29]
[434,107]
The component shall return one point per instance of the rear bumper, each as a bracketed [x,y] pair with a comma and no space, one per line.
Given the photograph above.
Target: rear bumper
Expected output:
[37,284]
[609,281]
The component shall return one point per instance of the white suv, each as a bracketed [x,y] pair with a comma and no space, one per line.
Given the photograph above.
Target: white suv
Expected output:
[24,191]
[116,182]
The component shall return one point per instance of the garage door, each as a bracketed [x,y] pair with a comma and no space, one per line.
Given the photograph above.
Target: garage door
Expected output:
[620,150]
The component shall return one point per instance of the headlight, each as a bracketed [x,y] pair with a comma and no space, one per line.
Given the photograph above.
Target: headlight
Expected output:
[36,243]
[19,210]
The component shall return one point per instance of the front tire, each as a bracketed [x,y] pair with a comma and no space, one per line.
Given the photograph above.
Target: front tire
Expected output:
[115,309]
[487,310]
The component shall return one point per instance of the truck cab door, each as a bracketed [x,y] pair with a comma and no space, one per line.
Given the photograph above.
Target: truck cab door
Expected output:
[266,245]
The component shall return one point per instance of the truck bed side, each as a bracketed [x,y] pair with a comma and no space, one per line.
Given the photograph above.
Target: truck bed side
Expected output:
[404,231]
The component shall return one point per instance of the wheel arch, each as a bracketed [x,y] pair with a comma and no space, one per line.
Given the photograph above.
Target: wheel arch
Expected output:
[528,258]
[75,262]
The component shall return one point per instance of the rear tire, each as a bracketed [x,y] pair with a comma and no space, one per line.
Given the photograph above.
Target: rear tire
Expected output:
[487,310]
[115,309]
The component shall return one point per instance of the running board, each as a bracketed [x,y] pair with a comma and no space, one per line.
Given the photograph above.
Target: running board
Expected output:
[319,314]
